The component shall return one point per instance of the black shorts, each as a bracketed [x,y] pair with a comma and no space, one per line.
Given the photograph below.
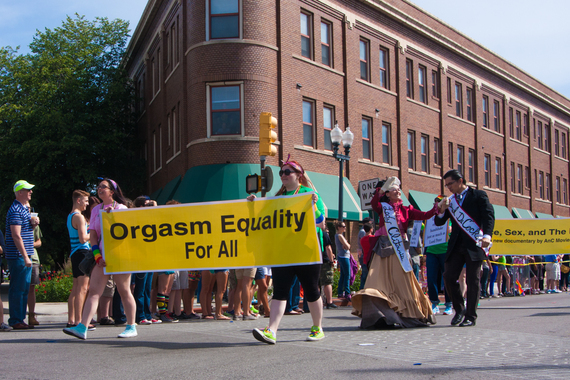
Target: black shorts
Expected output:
[76,258]
[308,277]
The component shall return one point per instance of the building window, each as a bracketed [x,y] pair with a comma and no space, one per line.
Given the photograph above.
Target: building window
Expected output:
[424,143]
[326,55]
[460,159]
[558,198]
[139,90]
[383,62]
[157,149]
[498,182]
[366,139]
[422,84]
[547,137]
[511,129]
[308,122]
[449,90]
[434,84]
[564,191]
[306,35]
[436,151]
[496,117]
[174,129]
[539,135]
[547,186]
[512,176]
[386,138]
[156,70]
[409,79]
[485,105]
[450,150]
[487,170]
[458,100]
[224,19]
[519,179]
[563,145]
[225,108]
[525,124]
[527,177]
[556,142]
[328,120]
[541,185]
[518,131]
[364,61]
[471,166]
[411,150]
[172,46]
[469,100]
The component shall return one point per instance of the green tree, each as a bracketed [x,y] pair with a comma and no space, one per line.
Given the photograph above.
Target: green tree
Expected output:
[66,119]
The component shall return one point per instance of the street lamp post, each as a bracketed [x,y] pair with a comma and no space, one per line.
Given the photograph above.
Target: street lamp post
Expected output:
[346,138]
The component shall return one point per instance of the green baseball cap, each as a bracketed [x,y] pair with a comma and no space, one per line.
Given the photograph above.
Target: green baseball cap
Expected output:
[21,184]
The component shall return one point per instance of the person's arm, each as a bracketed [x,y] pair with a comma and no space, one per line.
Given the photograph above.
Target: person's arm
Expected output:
[330,254]
[38,243]
[16,230]
[343,241]
[94,240]
[78,222]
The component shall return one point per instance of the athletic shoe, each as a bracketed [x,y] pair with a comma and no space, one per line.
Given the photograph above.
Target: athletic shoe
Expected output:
[265,335]
[154,321]
[448,310]
[435,309]
[4,327]
[253,310]
[316,334]
[145,322]
[557,291]
[228,314]
[548,291]
[166,317]
[332,306]
[130,332]
[79,331]
[249,317]
[192,316]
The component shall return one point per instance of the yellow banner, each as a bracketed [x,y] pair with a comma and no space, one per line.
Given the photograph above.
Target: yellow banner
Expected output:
[276,231]
[531,237]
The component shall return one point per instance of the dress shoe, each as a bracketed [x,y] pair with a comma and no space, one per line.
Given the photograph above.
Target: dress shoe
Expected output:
[21,326]
[467,323]
[457,318]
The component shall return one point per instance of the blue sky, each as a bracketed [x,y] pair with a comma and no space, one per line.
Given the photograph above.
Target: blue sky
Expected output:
[532,35]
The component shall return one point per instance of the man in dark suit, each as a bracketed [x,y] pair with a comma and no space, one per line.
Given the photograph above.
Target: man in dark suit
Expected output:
[463,249]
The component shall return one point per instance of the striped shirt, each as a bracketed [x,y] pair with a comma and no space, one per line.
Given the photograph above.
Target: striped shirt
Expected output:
[19,215]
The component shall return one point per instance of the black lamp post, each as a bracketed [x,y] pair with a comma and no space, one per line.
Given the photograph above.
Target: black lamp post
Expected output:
[346,138]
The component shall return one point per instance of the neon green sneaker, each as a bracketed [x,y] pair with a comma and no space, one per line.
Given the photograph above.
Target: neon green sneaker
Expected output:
[265,335]
[253,310]
[316,334]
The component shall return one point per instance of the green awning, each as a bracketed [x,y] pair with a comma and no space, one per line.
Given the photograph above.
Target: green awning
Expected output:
[521,213]
[220,182]
[327,187]
[422,201]
[502,212]
[540,215]
[156,194]
[168,190]
[209,183]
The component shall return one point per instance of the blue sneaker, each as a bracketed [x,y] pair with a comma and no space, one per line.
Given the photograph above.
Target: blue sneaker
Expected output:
[79,331]
[435,309]
[448,310]
[130,332]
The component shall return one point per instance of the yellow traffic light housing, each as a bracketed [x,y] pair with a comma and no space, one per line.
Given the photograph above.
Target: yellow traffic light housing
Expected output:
[267,135]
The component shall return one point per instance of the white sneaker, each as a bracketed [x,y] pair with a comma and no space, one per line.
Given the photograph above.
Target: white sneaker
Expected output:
[249,317]
[4,327]
[435,309]
[130,332]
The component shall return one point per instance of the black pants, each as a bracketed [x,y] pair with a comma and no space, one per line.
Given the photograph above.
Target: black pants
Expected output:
[453,267]
[308,277]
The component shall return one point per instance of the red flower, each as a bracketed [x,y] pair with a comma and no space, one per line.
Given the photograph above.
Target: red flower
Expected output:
[45,291]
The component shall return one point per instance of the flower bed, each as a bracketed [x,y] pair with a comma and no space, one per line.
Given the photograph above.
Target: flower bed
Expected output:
[54,287]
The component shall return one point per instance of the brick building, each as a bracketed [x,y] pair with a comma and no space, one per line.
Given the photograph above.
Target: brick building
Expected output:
[419,96]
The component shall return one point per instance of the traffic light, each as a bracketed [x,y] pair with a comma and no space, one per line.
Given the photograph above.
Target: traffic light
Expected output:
[267,136]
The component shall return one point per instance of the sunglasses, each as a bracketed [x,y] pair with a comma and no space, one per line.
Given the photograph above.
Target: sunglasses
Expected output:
[102,187]
[287,172]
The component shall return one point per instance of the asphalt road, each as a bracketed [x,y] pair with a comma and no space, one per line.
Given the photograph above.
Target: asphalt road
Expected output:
[521,337]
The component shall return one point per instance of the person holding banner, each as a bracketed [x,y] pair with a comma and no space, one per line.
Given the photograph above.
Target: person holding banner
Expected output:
[472,222]
[392,296]
[295,182]
[113,199]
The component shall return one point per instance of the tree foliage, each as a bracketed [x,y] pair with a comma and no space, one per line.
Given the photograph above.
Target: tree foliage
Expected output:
[66,119]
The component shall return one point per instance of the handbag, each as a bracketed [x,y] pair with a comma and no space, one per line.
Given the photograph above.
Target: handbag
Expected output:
[564,268]
[86,265]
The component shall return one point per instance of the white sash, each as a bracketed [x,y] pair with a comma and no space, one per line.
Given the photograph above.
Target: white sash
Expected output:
[395,236]
[467,224]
